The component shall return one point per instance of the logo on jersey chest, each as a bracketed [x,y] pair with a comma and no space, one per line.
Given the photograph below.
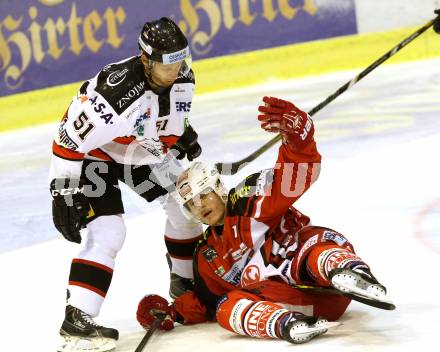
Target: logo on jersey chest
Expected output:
[234,274]
[130,96]
[250,275]
[210,254]
[183,106]
[236,255]
[116,77]
[138,125]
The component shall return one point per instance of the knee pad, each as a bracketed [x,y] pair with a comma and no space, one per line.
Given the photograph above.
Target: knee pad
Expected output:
[106,234]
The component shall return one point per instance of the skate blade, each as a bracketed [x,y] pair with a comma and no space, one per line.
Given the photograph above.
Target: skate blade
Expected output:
[77,344]
[331,324]
[305,333]
[362,296]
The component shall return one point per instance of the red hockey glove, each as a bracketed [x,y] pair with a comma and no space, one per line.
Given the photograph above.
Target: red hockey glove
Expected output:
[150,306]
[294,125]
[190,309]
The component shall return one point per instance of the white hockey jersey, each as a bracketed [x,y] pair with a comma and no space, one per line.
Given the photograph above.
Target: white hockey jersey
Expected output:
[117,117]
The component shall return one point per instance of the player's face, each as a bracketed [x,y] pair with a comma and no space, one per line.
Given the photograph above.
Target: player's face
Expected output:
[208,208]
[165,75]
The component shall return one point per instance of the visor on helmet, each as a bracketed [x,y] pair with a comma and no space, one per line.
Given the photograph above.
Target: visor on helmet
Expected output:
[183,56]
[195,201]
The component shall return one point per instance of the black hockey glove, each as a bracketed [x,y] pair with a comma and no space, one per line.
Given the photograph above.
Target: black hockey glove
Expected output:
[187,145]
[69,207]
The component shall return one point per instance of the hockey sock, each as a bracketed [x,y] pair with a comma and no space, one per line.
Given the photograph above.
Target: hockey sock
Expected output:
[326,257]
[243,314]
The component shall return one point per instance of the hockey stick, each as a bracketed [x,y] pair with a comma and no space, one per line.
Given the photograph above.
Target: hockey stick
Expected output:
[234,167]
[153,327]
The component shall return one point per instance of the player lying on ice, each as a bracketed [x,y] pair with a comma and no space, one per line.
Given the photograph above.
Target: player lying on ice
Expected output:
[259,254]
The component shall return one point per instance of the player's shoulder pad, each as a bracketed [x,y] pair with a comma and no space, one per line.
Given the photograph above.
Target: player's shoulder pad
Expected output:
[188,78]
[122,83]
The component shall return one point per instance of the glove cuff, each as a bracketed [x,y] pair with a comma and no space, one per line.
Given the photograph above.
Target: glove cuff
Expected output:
[60,187]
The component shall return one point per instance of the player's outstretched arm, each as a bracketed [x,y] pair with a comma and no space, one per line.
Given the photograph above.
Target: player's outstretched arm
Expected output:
[280,116]
[298,162]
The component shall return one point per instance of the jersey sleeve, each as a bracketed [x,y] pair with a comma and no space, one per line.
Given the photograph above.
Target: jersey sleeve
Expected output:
[293,174]
[170,127]
[89,123]
[267,195]
[206,287]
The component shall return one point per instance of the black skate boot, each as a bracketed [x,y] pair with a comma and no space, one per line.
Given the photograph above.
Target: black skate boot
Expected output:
[80,332]
[178,284]
[299,328]
[362,286]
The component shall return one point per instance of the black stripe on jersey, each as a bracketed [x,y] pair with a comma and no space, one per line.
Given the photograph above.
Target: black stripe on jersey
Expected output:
[83,88]
[239,229]
[240,196]
[251,205]
[90,275]
[181,249]
[164,104]
[121,84]
[188,78]
[65,158]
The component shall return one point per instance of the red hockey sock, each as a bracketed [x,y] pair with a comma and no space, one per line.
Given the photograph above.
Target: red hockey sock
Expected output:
[326,257]
[246,314]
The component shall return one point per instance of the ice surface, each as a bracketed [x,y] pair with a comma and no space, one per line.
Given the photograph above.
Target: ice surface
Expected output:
[379,185]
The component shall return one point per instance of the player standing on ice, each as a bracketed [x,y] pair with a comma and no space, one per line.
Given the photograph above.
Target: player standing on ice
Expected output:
[119,127]
[260,254]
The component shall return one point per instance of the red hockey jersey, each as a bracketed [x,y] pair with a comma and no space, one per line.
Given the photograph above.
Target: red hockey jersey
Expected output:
[257,238]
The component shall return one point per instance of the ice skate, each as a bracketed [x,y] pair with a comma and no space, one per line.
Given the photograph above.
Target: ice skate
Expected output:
[301,328]
[178,284]
[361,286]
[80,333]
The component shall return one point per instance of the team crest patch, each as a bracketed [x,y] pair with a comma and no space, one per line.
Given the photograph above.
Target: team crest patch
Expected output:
[116,77]
[250,275]
[210,254]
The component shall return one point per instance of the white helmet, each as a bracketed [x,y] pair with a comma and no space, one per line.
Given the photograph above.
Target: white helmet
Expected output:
[198,178]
